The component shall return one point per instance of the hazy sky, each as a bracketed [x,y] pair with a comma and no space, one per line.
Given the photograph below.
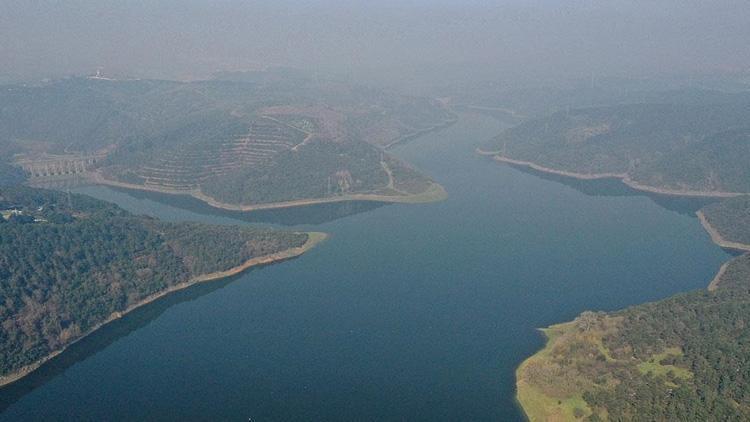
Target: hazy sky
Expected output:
[511,39]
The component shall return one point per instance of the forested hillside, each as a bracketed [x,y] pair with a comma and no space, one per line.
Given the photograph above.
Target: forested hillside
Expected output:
[731,218]
[686,143]
[720,162]
[274,132]
[69,262]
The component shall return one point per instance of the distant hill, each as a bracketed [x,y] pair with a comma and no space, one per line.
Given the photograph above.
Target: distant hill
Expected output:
[718,162]
[285,137]
[69,263]
[684,145]
[535,101]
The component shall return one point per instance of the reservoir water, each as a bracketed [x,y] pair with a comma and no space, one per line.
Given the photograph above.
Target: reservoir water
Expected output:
[407,312]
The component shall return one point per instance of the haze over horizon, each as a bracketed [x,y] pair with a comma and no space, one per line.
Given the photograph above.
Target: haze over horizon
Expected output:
[445,40]
[329,210]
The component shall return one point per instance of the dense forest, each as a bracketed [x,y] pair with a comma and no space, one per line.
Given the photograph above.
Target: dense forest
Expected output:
[689,140]
[731,218]
[683,358]
[719,162]
[708,332]
[68,262]
[316,170]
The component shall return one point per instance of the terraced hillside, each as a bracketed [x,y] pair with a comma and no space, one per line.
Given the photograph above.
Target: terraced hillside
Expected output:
[238,141]
[184,166]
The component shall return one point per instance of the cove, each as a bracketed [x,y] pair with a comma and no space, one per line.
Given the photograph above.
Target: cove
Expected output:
[407,312]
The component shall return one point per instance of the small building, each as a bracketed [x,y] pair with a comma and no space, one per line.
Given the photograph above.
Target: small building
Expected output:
[8,213]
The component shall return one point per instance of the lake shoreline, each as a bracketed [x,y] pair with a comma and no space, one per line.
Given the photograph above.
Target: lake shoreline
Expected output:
[717,238]
[526,393]
[623,177]
[534,404]
[314,238]
[714,284]
[434,193]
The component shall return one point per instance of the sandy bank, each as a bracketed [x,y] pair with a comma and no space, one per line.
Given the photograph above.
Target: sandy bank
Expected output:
[574,175]
[693,193]
[624,177]
[718,238]
[433,194]
[714,284]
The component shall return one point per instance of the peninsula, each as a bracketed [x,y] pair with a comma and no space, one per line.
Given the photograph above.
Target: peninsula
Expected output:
[657,359]
[665,148]
[242,141]
[72,264]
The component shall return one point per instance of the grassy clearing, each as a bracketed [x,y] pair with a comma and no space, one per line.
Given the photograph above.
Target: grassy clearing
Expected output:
[537,393]
[541,407]
[654,366]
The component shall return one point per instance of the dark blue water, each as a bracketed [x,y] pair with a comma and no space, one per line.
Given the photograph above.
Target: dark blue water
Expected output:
[408,312]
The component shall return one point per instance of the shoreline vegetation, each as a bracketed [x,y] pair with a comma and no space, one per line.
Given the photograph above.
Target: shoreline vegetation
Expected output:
[717,238]
[434,193]
[313,239]
[624,177]
[714,284]
[538,406]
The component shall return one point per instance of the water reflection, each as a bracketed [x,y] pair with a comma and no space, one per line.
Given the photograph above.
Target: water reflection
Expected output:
[308,214]
[102,338]
[614,187]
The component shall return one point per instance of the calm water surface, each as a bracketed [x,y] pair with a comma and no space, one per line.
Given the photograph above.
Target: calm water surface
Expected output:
[415,312]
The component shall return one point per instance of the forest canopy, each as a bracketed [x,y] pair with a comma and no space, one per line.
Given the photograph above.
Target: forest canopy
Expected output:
[69,262]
